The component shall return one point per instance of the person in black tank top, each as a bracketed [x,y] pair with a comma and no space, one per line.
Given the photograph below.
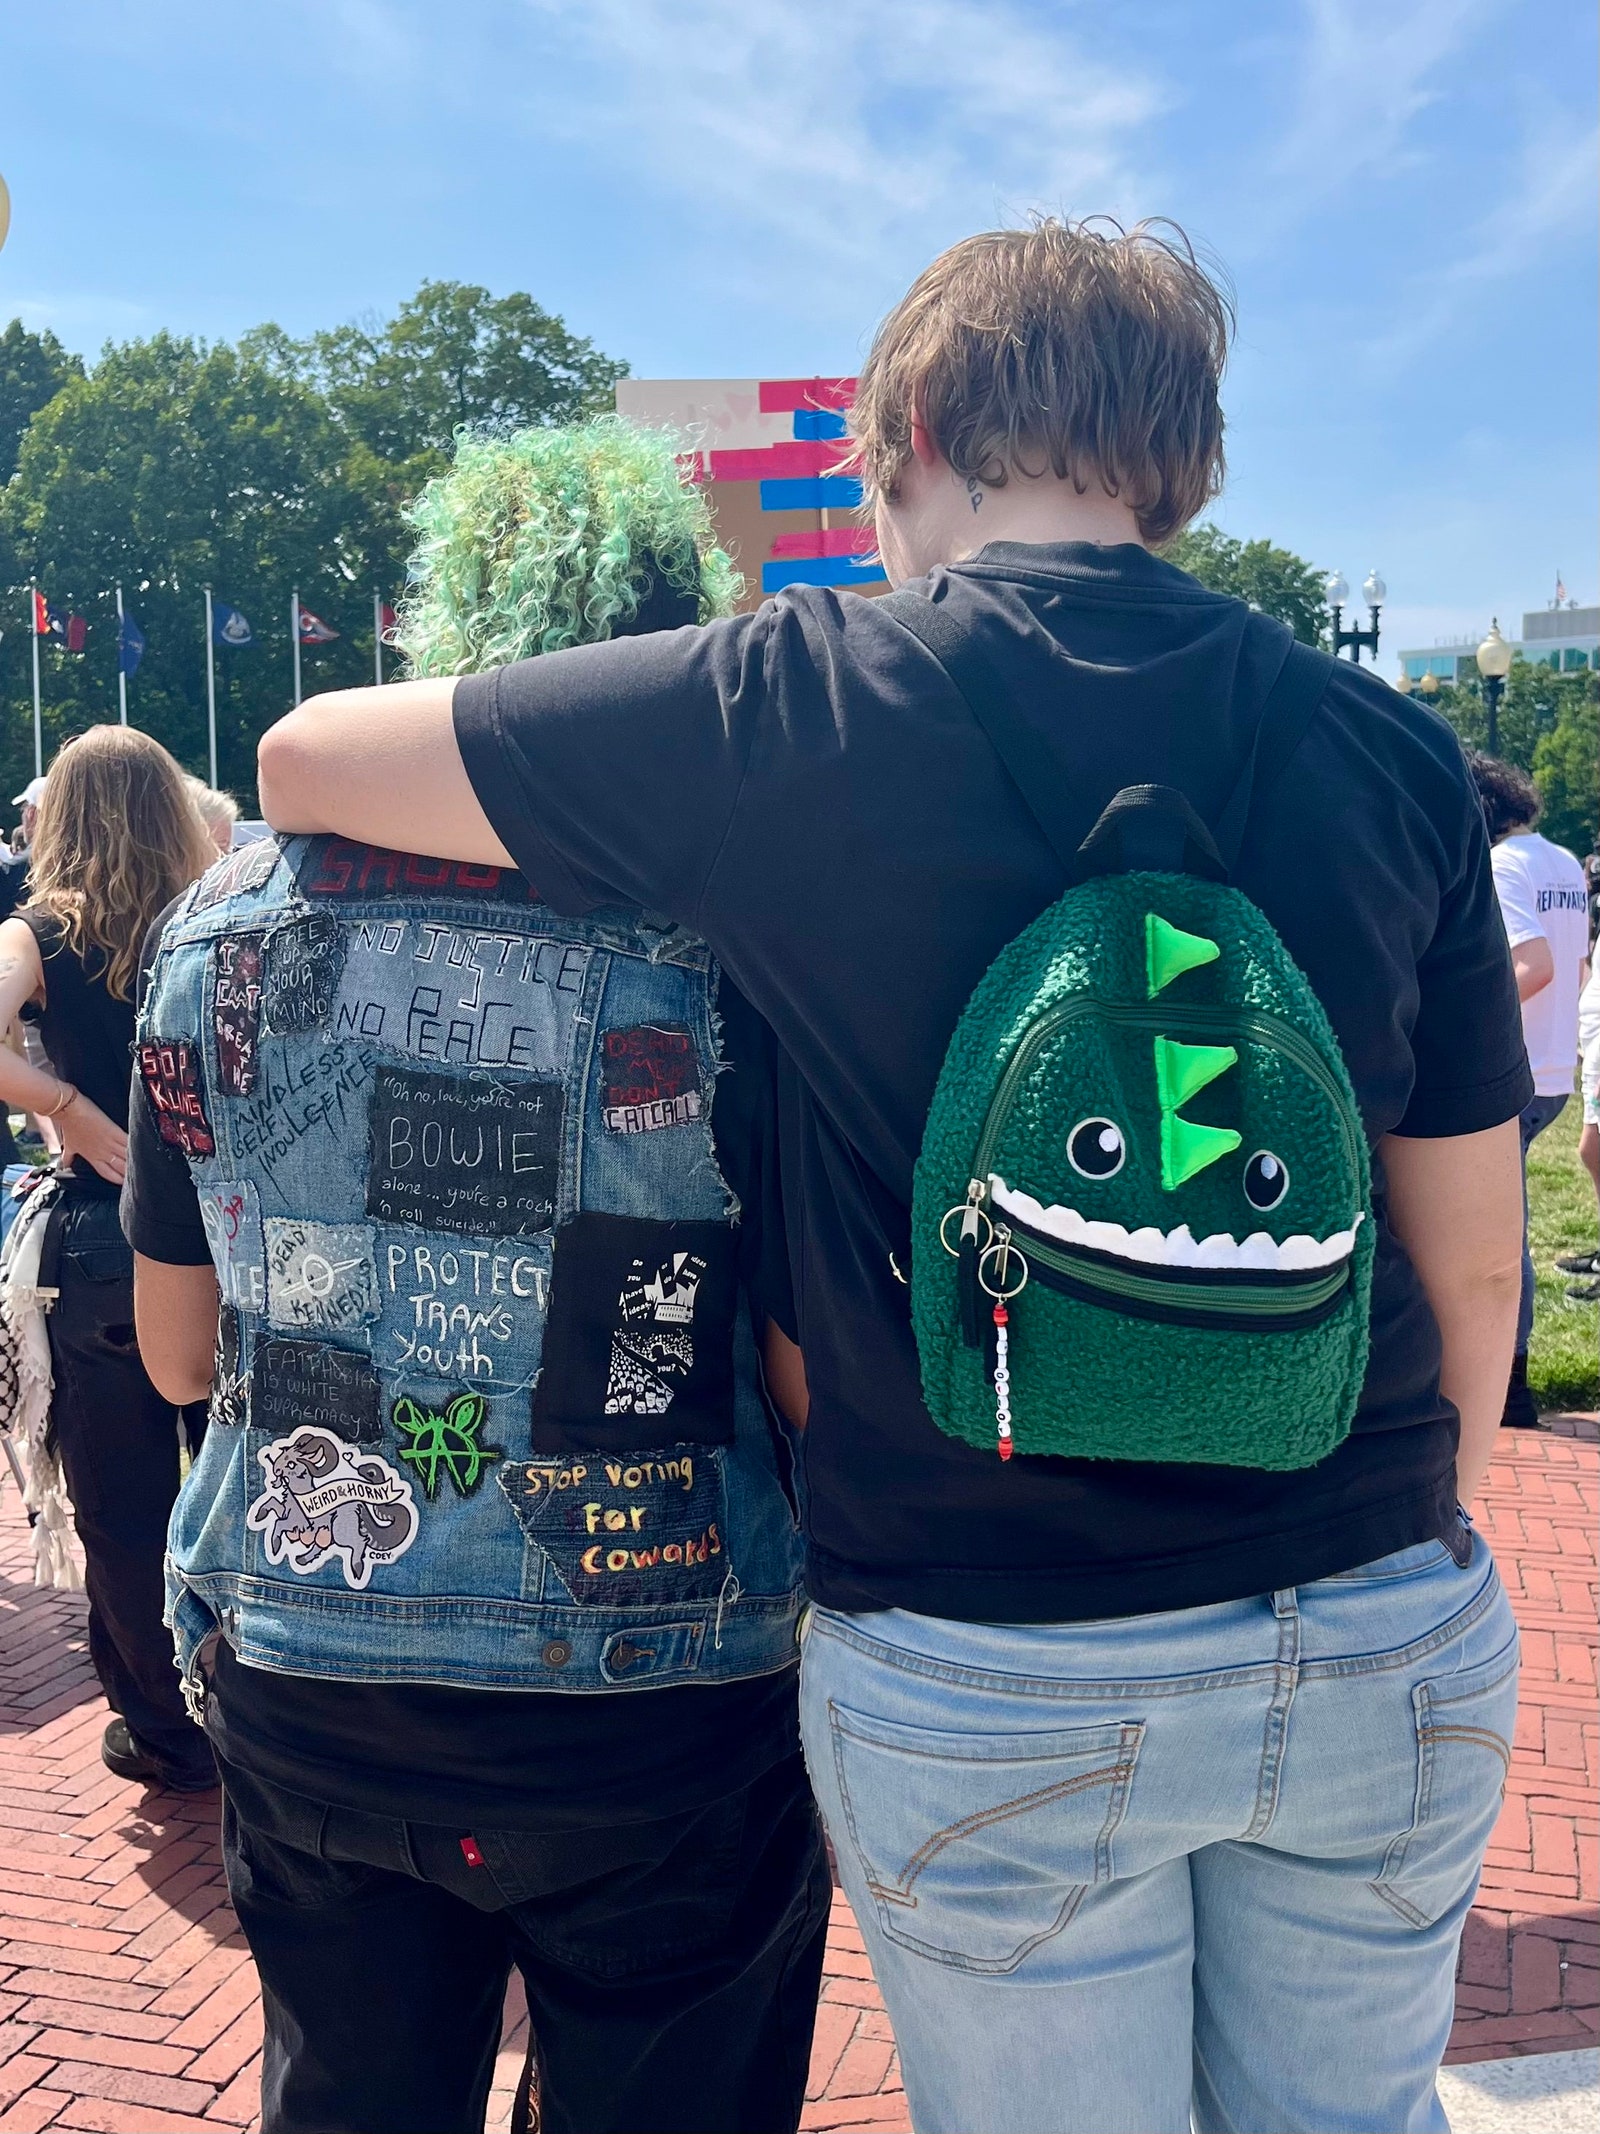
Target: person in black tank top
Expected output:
[117,838]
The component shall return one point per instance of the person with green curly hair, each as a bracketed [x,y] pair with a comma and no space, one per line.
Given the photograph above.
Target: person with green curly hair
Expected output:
[549,1720]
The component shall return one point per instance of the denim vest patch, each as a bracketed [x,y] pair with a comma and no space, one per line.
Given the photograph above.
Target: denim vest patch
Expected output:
[486,1408]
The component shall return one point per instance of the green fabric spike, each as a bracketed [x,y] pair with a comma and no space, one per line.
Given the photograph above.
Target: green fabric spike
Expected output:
[1187,1148]
[1169,952]
[1182,1071]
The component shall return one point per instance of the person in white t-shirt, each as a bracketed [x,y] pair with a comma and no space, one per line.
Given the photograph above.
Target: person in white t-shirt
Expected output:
[1544,900]
[1587,1291]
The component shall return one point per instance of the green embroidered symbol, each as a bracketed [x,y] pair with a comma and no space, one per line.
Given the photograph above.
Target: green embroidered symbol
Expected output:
[448,1441]
[1182,1071]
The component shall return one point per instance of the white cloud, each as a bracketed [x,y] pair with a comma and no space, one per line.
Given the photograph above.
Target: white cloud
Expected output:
[837,134]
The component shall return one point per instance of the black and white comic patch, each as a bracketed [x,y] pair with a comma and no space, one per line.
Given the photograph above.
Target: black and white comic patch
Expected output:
[170,1072]
[304,963]
[295,1383]
[640,1326]
[320,1275]
[474,1158]
[236,1010]
[626,1529]
[650,1078]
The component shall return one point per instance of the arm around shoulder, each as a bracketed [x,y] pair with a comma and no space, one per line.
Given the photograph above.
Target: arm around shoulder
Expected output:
[379,765]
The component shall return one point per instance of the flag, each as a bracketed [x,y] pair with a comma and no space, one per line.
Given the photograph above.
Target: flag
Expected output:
[75,632]
[313,630]
[229,627]
[1561,591]
[46,623]
[130,646]
[388,623]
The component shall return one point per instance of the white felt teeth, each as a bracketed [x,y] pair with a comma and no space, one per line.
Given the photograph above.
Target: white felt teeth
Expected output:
[1175,1248]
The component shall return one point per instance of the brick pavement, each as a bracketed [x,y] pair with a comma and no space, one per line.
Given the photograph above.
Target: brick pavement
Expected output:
[127,2001]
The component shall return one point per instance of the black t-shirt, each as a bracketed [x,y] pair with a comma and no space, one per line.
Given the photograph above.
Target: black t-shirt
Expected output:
[501,1759]
[87,1031]
[807,788]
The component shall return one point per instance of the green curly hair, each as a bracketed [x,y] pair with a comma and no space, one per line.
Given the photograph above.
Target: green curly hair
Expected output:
[555,537]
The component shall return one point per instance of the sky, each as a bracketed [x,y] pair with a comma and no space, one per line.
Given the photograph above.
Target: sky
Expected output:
[1402,193]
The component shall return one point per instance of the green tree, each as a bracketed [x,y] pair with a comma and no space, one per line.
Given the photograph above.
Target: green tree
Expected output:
[1566,769]
[33,369]
[1534,702]
[1273,579]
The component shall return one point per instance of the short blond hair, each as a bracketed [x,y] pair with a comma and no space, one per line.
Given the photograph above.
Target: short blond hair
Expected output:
[1079,347]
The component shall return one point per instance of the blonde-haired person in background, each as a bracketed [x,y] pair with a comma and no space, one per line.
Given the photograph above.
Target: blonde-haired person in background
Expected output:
[117,838]
[219,811]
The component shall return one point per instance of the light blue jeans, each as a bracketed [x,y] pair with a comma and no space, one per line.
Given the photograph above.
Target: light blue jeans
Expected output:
[1213,1862]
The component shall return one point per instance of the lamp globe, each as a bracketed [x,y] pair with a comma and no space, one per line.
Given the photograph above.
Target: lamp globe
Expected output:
[1494,655]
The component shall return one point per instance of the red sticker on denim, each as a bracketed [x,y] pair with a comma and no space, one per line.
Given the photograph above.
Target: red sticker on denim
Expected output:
[170,1072]
[651,1078]
[339,867]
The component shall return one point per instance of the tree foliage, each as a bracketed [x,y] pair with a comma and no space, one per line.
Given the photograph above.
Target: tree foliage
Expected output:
[1548,724]
[263,468]
[1273,579]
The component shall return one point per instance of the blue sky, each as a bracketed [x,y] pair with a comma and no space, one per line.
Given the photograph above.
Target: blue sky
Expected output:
[1403,192]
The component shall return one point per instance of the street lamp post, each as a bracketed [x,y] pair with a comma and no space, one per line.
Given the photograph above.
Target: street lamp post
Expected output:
[1336,592]
[1494,664]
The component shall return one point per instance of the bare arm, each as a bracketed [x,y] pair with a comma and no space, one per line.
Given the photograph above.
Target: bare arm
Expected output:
[175,1316]
[786,1375]
[1456,1206]
[1532,962]
[381,765]
[83,1128]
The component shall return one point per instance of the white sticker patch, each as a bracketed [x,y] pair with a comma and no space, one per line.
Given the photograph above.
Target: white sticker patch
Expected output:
[232,1216]
[325,1499]
[320,1275]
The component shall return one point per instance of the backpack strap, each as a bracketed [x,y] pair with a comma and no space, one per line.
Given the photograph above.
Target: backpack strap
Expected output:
[1287,710]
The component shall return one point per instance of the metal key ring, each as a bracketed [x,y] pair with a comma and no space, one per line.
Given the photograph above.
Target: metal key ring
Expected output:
[1005,1251]
[964,1208]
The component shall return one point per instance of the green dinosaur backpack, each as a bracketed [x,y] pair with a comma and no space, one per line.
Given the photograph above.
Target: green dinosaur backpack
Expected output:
[1141,1222]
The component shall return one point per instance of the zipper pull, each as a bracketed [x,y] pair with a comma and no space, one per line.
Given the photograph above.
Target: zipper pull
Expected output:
[974,1224]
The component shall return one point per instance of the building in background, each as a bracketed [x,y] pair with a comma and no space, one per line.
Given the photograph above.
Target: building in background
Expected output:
[1565,638]
[770,452]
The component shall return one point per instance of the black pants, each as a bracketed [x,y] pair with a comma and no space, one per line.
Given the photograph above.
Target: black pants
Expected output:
[118,1441]
[672,1968]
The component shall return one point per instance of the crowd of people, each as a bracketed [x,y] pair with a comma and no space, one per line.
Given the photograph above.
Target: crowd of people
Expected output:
[613,1453]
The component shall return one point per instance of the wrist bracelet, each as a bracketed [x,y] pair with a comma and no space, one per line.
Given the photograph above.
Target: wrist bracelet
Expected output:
[69,1096]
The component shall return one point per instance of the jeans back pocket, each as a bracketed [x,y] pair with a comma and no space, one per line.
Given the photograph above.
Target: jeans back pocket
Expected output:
[978,1847]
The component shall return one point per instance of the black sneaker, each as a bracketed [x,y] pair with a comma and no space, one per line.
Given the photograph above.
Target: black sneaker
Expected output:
[1519,1412]
[120,1752]
[1585,1292]
[1580,1263]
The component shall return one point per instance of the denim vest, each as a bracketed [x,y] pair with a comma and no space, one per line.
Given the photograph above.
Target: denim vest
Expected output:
[486,1408]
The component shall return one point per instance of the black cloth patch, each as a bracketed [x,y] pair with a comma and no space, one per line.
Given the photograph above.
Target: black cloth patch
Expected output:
[651,1078]
[296,1384]
[170,1072]
[444,1442]
[640,1325]
[236,1011]
[475,1158]
[230,1390]
[626,1529]
[305,961]
[248,868]
[339,867]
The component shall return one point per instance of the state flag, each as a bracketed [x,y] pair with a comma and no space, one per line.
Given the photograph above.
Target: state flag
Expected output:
[388,623]
[46,623]
[74,633]
[130,646]
[229,627]
[313,630]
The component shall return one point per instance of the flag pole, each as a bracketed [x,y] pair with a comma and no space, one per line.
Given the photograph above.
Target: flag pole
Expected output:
[211,687]
[38,716]
[377,637]
[122,675]
[294,632]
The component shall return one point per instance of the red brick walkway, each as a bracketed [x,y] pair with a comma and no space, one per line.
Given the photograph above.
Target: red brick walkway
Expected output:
[127,2000]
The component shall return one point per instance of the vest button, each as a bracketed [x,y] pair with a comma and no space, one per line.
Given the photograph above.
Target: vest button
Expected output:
[557,1653]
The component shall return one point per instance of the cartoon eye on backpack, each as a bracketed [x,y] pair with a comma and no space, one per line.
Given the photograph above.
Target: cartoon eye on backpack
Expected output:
[1141,1222]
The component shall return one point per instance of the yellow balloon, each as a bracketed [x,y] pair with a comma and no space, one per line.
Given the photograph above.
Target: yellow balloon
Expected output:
[5,211]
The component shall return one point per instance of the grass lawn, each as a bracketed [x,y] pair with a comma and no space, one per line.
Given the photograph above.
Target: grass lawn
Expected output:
[1564,1359]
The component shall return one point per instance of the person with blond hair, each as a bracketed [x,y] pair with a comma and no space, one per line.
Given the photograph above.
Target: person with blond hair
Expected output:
[117,837]
[1159,1782]
[219,811]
